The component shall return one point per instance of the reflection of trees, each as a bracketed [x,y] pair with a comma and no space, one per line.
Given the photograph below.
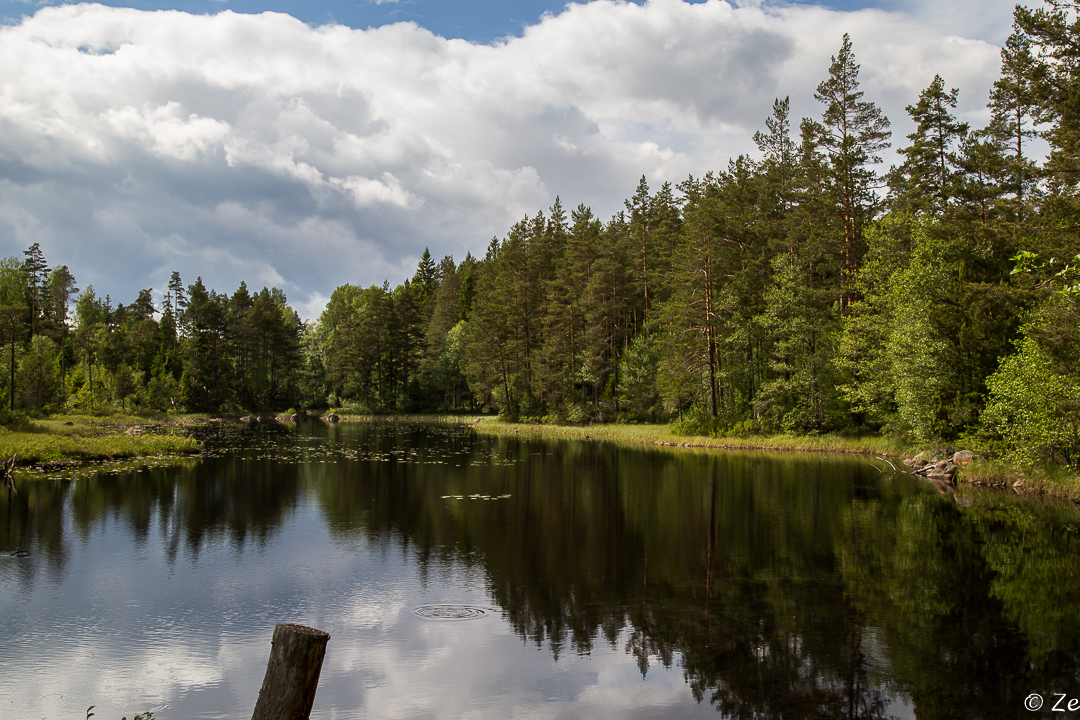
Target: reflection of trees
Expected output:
[727,561]
[978,604]
[195,502]
[33,519]
[784,587]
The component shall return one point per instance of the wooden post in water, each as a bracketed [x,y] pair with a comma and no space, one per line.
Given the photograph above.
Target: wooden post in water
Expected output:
[292,673]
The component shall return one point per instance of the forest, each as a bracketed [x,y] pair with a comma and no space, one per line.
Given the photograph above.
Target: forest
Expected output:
[804,290]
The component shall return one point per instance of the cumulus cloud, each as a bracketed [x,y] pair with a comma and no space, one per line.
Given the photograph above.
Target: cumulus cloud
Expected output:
[258,148]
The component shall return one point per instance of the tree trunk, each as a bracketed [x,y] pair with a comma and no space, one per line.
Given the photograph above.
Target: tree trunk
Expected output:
[292,673]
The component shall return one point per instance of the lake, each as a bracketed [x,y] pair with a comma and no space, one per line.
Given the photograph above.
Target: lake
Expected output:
[463,575]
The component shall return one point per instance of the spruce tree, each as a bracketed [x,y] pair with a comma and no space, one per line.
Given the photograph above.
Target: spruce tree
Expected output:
[36,271]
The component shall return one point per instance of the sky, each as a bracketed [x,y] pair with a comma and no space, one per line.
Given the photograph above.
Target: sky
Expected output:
[305,145]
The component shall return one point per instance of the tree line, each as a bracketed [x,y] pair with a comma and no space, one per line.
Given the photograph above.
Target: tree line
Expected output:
[806,289]
[199,351]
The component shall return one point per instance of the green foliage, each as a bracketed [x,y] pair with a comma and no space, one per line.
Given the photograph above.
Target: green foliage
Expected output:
[39,373]
[1063,278]
[801,394]
[917,342]
[638,391]
[1035,410]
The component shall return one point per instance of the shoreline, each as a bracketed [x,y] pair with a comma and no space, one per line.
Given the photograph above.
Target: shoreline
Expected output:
[48,444]
[989,474]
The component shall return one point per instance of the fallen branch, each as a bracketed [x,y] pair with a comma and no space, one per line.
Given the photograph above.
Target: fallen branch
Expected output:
[7,470]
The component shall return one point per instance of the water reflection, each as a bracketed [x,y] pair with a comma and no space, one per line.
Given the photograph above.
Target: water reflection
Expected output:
[773,586]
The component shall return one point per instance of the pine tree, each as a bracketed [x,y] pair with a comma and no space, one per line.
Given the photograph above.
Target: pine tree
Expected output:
[1014,104]
[563,313]
[1054,30]
[641,230]
[177,301]
[780,157]
[852,132]
[240,332]
[929,175]
[12,312]
[607,308]
[689,363]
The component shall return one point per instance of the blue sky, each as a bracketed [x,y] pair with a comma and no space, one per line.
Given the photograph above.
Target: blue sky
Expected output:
[331,144]
[474,20]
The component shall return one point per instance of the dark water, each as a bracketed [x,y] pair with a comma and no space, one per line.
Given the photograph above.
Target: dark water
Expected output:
[603,581]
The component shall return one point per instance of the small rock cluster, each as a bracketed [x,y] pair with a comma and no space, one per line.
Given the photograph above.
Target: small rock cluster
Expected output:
[940,464]
[144,429]
[268,418]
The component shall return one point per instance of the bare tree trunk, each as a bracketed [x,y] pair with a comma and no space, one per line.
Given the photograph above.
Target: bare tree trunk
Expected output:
[292,673]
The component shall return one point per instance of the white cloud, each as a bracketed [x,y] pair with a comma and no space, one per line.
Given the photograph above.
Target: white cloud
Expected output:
[310,157]
[989,20]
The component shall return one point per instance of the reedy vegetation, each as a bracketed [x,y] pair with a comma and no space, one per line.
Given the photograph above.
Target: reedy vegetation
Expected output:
[801,291]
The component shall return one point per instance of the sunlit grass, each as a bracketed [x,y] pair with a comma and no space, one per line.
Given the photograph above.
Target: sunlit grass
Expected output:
[1055,482]
[664,435]
[452,419]
[89,438]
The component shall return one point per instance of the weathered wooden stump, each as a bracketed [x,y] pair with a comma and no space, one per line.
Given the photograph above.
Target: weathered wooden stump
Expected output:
[292,673]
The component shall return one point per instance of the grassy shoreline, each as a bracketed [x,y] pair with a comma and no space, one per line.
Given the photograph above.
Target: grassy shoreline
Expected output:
[1062,485]
[62,439]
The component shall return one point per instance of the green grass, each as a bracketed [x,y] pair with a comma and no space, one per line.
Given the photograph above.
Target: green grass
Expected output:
[1055,482]
[90,438]
[663,435]
[1052,482]
[449,419]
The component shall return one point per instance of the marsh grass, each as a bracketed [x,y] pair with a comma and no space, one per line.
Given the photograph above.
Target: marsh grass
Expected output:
[1059,483]
[664,435]
[1056,482]
[90,438]
[437,419]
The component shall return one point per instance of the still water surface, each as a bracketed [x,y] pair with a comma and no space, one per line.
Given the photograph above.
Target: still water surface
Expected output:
[603,581]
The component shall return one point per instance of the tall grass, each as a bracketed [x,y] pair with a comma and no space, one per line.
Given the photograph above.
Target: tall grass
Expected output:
[664,435]
[1054,482]
[453,419]
[88,438]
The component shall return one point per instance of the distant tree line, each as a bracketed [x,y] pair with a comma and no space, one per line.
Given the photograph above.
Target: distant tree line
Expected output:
[199,351]
[800,291]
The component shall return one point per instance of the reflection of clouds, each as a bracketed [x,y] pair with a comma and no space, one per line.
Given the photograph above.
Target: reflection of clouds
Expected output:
[127,632]
[481,669]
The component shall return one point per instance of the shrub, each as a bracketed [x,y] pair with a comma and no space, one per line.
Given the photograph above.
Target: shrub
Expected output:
[1035,410]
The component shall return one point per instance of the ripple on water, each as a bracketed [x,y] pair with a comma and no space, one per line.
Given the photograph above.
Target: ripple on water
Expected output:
[452,612]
